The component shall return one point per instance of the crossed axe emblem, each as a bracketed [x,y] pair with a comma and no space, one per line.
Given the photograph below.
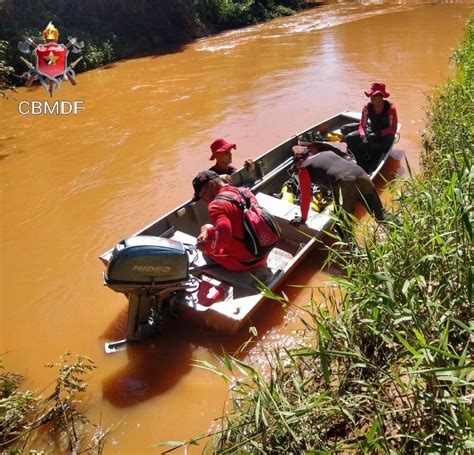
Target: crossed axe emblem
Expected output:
[51,84]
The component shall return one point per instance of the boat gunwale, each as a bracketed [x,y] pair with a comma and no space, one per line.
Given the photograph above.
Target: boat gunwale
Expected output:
[351,115]
[314,235]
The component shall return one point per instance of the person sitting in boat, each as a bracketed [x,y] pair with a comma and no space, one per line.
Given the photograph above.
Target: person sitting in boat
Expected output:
[221,239]
[377,128]
[222,153]
[347,181]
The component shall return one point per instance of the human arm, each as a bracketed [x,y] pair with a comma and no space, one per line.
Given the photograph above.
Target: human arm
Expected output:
[215,237]
[205,237]
[363,121]
[305,196]
[223,214]
[393,119]
[227,178]
[248,164]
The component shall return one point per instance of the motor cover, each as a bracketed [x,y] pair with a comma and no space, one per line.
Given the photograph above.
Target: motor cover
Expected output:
[145,260]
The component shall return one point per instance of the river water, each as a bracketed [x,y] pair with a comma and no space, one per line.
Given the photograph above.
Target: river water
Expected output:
[72,186]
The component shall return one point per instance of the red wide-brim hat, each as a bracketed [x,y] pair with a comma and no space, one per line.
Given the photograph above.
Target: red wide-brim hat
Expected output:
[220,145]
[375,88]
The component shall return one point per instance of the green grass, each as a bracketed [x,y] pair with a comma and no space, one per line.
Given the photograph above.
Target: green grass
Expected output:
[392,371]
[30,421]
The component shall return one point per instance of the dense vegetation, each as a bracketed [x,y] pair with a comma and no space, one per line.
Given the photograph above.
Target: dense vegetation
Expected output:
[115,29]
[390,368]
[61,426]
[5,70]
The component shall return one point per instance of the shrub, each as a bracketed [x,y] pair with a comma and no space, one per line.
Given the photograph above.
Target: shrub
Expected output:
[6,71]
[22,413]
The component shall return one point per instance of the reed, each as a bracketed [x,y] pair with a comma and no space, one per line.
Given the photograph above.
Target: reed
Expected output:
[30,421]
[392,370]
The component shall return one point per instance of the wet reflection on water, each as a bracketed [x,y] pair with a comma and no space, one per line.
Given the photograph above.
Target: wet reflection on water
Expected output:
[153,368]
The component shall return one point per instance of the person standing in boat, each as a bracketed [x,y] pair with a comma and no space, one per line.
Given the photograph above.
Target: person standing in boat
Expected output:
[221,151]
[377,128]
[347,181]
[221,239]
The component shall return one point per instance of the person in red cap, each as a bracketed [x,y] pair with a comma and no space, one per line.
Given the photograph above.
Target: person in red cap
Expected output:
[222,153]
[222,240]
[377,128]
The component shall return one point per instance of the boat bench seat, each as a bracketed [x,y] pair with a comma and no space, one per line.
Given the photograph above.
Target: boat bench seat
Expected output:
[277,261]
[285,211]
[243,280]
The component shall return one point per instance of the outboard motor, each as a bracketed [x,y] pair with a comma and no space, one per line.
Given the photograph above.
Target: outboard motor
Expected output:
[153,273]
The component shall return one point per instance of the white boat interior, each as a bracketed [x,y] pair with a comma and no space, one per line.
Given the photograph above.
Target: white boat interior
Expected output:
[219,298]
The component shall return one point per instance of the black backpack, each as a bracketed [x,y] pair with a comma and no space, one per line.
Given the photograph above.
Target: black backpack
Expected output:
[261,229]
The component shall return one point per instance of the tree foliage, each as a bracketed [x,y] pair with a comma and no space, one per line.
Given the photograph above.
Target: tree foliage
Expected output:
[116,29]
[5,70]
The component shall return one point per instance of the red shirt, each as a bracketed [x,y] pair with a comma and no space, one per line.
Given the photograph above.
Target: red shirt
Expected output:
[227,219]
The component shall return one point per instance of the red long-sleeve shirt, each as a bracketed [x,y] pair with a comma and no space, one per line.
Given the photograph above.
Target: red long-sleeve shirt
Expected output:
[222,242]
[305,192]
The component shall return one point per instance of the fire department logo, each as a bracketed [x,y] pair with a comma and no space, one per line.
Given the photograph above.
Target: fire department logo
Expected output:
[50,66]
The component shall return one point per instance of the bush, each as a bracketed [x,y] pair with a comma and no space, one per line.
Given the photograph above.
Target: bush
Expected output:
[96,55]
[22,413]
[120,29]
[6,71]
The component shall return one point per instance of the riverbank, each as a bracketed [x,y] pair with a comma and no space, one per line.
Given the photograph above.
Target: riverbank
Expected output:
[122,30]
[73,187]
[392,370]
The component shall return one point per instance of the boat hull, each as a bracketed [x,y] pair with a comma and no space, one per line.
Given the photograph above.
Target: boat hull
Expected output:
[241,294]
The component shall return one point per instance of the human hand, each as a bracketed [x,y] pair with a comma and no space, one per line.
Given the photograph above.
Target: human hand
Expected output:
[202,237]
[297,221]
[365,141]
[227,178]
[200,245]
[249,164]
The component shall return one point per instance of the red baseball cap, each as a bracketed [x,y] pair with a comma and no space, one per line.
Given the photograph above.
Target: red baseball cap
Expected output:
[375,88]
[220,145]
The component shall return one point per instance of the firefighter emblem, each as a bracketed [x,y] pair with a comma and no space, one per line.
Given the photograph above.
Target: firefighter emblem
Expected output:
[50,66]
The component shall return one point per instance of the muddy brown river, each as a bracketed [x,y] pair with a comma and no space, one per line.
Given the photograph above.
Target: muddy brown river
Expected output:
[72,186]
